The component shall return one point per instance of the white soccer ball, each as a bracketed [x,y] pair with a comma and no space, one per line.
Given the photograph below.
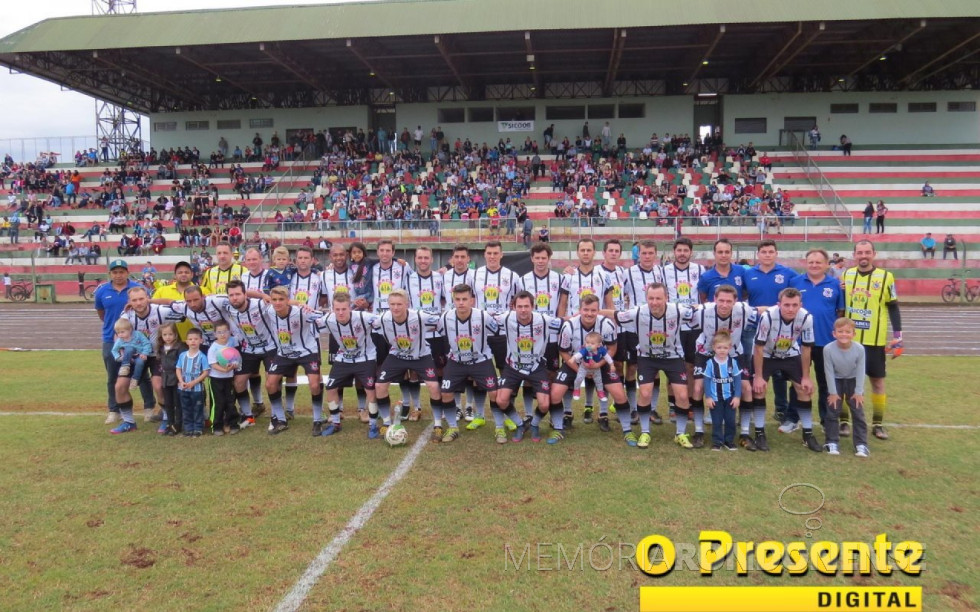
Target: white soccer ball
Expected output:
[396,435]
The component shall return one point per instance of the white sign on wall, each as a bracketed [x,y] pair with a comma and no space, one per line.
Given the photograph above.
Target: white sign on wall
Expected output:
[515,126]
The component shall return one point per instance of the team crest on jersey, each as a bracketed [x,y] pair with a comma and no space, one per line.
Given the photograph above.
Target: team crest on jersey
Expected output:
[738,281]
[413,329]
[491,293]
[525,344]
[369,381]
[671,324]
[465,343]
[683,376]
[546,385]
[876,285]
[477,328]
[537,329]
[828,292]
[357,328]
[490,381]
[617,291]
[403,342]
[779,279]
[430,372]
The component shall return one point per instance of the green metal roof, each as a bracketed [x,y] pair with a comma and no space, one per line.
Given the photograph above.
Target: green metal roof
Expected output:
[418,17]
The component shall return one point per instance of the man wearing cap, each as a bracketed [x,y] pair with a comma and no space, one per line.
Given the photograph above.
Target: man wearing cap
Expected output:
[183,275]
[110,300]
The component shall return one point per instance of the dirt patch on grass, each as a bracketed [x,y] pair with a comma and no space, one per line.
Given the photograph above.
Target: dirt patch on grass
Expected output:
[139,557]
[95,523]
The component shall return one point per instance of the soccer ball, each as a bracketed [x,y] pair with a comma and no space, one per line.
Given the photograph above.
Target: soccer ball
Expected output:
[396,435]
[229,355]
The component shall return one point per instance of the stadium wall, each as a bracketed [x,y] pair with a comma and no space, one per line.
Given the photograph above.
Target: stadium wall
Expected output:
[660,114]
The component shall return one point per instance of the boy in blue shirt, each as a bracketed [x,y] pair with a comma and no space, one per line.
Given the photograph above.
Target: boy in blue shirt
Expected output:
[131,351]
[722,392]
[192,369]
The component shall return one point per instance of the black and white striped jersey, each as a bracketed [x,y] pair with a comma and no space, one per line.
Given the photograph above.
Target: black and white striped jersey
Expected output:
[545,289]
[452,278]
[709,322]
[255,282]
[406,338]
[527,342]
[659,337]
[296,333]
[426,292]
[495,290]
[253,326]
[617,286]
[571,338]
[149,324]
[335,282]
[352,338]
[468,339]
[682,284]
[579,284]
[780,339]
[385,280]
[214,312]
[637,281]
[306,289]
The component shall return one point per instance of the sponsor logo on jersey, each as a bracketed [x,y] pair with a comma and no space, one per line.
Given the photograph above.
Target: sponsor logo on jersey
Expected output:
[783,343]
[657,339]
[285,337]
[465,343]
[542,300]
[403,343]
[385,287]
[302,296]
[491,293]
[248,329]
[349,342]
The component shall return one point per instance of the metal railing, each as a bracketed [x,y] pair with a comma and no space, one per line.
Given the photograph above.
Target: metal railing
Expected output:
[28,149]
[815,175]
[569,229]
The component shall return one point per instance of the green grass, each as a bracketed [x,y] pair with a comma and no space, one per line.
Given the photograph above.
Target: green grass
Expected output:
[102,522]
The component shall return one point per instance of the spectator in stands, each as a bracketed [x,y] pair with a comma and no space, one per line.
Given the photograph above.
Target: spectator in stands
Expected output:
[928,191]
[880,213]
[814,137]
[544,235]
[949,246]
[928,244]
[869,215]
[845,145]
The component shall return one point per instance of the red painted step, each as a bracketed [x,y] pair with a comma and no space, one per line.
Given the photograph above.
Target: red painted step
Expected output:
[871,174]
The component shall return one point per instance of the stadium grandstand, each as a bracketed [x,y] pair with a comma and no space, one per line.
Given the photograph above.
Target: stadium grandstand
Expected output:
[444,121]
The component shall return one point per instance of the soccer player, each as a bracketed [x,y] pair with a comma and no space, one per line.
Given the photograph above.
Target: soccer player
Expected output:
[782,343]
[215,278]
[183,278]
[722,315]
[638,278]
[202,312]
[657,324]
[426,292]
[823,298]
[871,301]
[681,278]
[338,278]
[353,358]
[305,289]
[146,319]
[466,332]
[544,284]
[255,277]
[404,330]
[254,324]
[571,339]
[387,275]
[110,300]
[527,334]
[612,252]
[762,283]
[297,345]
[460,273]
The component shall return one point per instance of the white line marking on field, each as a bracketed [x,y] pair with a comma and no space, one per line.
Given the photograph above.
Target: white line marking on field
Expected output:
[297,595]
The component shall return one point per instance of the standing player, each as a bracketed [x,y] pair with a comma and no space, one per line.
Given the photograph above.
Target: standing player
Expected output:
[338,278]
[254,323]
[527,334]
[387,276]
[183,277]
[353,358]
[782,344]
[638,278]
[297,345]
[658,327]
[255,276]
[146,319]
[544,284]
[306,289]
[425,290]
[871,301]
[465,332]
[460,274]
[404,330]
[215,278]
[612,251]
[681,278]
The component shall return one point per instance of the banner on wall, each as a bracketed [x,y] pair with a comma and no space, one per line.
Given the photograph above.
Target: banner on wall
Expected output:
[515,126]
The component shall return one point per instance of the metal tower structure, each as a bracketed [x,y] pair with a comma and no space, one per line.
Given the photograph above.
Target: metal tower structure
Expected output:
[116,128]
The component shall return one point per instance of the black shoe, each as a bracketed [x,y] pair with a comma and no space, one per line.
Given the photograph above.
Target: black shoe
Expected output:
[317,428]
[698,440]
[810,441]
[779,417]
[258,410]
[655,418]
[603,423]
[731,447]
[587,415]
[171,431]
[290,415]
[634,418]
[278,427]
[747,443]
[567,421]
[760,442]
[845,430]
[716,447]
[879,432]
[527,423]
[405,410]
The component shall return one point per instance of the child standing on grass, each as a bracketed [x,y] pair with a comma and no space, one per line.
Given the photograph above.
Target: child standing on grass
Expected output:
[131,350]
[224,416]
[192,370]
[843,364]
[593,351]
[169,348]
[722,391]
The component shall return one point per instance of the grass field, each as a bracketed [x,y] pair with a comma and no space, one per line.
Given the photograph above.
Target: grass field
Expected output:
[143,522]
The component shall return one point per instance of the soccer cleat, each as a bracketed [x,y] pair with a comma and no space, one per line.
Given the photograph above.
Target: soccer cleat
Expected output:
[468,415]
[535,433]
[510,424]
[124,371]
[630,439]
[362,414]
[519,434]
[810,441]
[634,417]
[683,440]
[879,432]
[707,417]
[731,447]
[845,430]
[587,415]
[404,409]
[476,423]
[779,416]
[217,433]
[788,427]
[716,447]
[437,433]
[317,428]
[162,429]
[500,435]
[148,415]
[383,430]
[746,442]
[451,434]
[567,421]
[171,431]
[459,414]
[862,451]
[278,427]
[257,410]
[832,448]
[331,429]
[124,427]
[290,415]
[415,415]
[111,418]
[556,437]
[672,415]
[374,432]
[576,395]
[233,430]
[603,423]
[643,441]
[655,418]
[760,441]
[698,440]
[246,422]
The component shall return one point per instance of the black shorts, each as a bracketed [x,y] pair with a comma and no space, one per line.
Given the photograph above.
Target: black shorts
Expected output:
[440,348]
[874,361]
[288,366]
[342,374]
[456,376]
[791,367]
[498,346]
[393,369]
[155,368]
[381,346]
[626,347]
[512,379]
[552,357]
[689,339]
[701,360]
[649,368]
[252,362]
[566,376]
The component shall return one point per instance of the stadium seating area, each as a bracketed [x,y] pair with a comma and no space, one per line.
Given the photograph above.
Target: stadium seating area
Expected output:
[894,175]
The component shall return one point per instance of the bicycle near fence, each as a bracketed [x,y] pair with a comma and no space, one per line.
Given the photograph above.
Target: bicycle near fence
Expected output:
[88,289]
[21,291]
[951,291]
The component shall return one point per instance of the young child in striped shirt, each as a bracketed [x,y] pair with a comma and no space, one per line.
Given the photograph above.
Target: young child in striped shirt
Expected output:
[722,391]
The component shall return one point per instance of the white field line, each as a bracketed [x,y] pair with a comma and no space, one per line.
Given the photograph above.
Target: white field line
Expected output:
[297,595]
